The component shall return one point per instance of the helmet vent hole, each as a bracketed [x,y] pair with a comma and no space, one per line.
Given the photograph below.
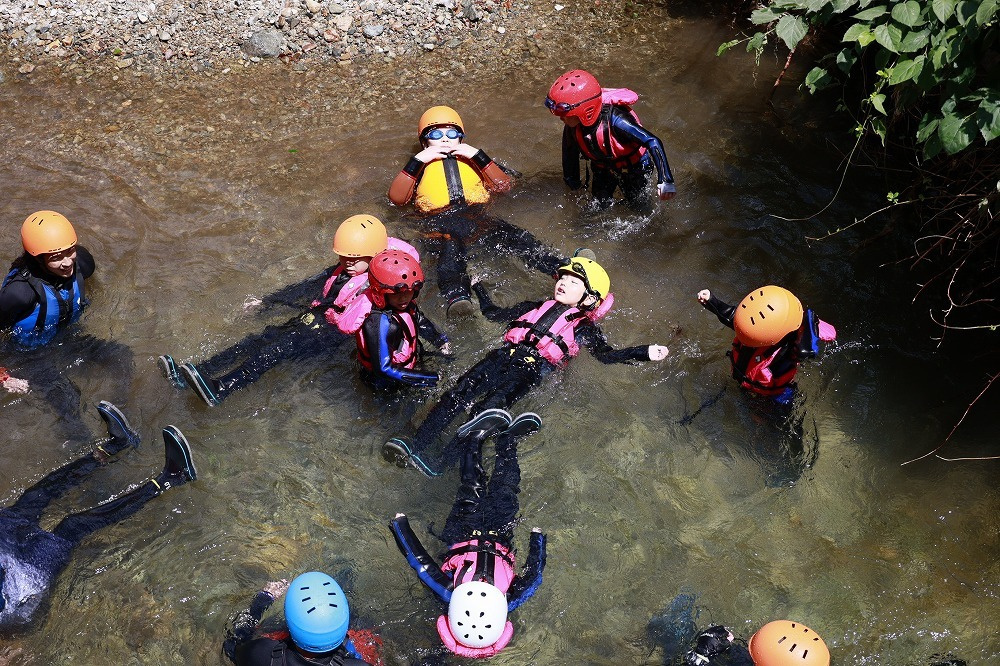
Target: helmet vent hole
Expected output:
[770,308]
[311,609]
[306,598]
[782,640]
[792,649]
[804,654]
[761,313]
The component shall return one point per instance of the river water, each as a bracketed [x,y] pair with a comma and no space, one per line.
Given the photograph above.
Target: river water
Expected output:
[194,196]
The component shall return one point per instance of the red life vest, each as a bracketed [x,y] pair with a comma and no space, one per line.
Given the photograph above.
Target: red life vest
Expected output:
[406,355]
[550,328]
[599,144]
[752,367]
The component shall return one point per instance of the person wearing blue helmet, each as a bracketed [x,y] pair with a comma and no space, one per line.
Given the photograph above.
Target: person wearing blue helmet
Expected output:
[317,614]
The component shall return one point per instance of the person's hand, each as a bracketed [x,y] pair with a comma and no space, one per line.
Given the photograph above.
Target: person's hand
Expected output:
[704,296]
[433,153]
[536,530]
[465,150]
[276,588]
[666,191]
[400,515]
[252,304]
[657,352]
[445,349]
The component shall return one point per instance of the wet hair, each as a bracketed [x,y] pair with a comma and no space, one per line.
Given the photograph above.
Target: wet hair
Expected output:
[713,641]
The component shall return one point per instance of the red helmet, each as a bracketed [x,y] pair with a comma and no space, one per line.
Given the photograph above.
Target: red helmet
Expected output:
[575,93]
[393,271]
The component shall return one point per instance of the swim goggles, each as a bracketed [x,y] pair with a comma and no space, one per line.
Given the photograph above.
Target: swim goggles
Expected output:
[577,269]
[563,107]
[438,133]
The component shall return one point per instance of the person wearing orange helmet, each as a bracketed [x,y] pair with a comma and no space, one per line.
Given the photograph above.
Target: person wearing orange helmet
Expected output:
[774,333]
[388,346]
[449,181]
[601,127]
[42,295]
[324,302]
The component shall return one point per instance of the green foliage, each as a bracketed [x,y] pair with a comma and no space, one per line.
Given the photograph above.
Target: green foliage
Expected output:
[932,57]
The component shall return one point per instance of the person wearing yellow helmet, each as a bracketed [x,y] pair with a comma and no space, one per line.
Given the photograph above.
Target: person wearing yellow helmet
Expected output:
[448,180]
[324,303]
[541,337]
[774,333]
[42,296]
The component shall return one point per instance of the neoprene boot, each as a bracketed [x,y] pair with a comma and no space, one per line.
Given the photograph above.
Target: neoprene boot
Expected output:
[121,432]
[178,465]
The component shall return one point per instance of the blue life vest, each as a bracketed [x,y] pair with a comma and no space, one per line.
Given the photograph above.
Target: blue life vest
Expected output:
[56,308]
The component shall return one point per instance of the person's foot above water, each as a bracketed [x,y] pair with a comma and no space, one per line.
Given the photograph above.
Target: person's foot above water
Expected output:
[398,452]
[178,465]
[169,370]
[119,429]
[486,423]
[207,389]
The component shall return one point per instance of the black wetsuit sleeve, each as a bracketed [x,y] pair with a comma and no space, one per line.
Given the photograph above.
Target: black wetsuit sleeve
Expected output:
[724,311]
[382,334]
[571,159]
[592,337]
[85,262]
[625,125]
[429,572]
[17,300]
[525,585]
[428,331]
[301,294]
[494,312]
[244,624]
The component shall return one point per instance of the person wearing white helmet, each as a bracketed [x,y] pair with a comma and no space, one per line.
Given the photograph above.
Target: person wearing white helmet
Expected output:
[477,578]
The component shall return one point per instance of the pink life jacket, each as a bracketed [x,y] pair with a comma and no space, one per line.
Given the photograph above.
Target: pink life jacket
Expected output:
[405,356]
[598,142]
[480,559]
[550,327]
[348,311]
[450,642]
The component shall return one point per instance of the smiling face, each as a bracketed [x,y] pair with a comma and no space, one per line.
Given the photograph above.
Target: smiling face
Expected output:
[570,290]
[60,264]
[355,265]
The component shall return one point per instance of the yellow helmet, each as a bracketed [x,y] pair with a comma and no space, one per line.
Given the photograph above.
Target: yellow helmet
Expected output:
[439,115]
[360,236]
[594,277]
[767,315]
[46,232]
[786,643]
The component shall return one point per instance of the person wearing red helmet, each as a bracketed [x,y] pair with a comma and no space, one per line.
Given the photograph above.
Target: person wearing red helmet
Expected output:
[42,296]
[450,182]
[602,128]
[388,345]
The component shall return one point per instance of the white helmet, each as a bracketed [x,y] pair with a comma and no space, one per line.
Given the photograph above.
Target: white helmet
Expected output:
[477,614]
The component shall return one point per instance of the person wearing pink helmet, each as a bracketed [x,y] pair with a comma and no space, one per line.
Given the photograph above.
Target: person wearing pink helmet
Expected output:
[602,128]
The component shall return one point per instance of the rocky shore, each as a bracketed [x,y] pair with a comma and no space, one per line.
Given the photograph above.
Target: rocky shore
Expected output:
[215,35]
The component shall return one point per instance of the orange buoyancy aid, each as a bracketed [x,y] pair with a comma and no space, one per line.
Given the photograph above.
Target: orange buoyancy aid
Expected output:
[550,328]
[449,181]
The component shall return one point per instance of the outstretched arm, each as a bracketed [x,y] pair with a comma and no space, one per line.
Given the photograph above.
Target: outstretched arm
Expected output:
[530,578]
[416,555]
[300,294]
[724,311]
[243,625]
[592,337]
[626,125]
[494,312]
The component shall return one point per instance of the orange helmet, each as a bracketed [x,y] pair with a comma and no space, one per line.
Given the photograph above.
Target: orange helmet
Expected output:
[360,236]
[767,315]
[439,115]
[787,643]
[46,232]
[575,93]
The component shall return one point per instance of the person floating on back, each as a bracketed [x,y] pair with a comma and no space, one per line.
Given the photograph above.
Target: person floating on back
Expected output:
[448,181]
[311,334]
[317,616]
[602,128]
[774,333]
[478,579]
[31,558]
[541,337]
[42,296]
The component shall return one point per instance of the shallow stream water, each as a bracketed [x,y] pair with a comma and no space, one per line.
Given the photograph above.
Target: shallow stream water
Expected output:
[193,198]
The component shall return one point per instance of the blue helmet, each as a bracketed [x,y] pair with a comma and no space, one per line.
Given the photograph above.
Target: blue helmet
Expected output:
[316,612]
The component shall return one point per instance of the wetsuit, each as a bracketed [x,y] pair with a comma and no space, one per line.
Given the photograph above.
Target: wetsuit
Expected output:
[622,154]
[31,558]
[479,533]
[388,349]
[245,650]
[39,307]
[506,374]
[455,223]
[306,335]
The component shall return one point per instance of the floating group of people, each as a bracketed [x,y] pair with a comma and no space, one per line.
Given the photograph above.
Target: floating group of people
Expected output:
[371,295]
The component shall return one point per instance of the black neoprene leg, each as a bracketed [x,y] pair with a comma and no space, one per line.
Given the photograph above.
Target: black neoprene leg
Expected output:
[33,501]
[501,506]
[47,378]
[503,238]
[74,528]
[605,182]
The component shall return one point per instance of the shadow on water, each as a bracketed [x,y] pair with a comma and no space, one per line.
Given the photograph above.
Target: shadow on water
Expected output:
[193,197]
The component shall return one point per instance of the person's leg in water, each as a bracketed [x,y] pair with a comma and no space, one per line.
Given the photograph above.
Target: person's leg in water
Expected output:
[603,185]
[504,239]
[33,501]
[307,336]
[178,469]
[781,437]
[115,360]
[45,375]
[465,517]
[635,186]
